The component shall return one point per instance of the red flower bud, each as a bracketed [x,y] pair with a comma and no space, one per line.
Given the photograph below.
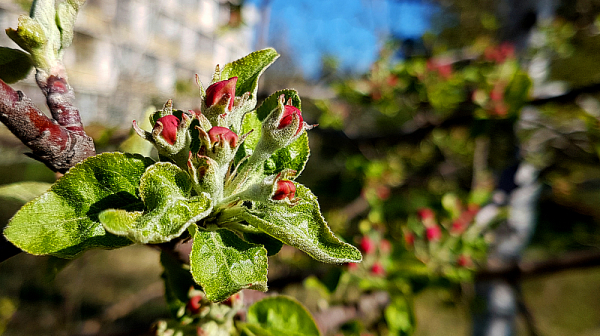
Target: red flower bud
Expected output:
[285,189]
[377,269]
[216,91]
[426,213]
[352,266]
[194,304]
[385,246]
[218,133]
[230,301]
[433,233]
[288,116]
[409,238]
[367,245]
[169,128]
[464,261]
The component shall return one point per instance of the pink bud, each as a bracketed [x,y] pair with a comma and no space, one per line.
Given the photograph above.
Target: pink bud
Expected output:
[194,304]
[464,261]
[285,189]
[409,238]
[433,233]
[367,245]
[425,214]
[352,266]
[169,128]
[377,269]
[216,91]
[288,116]
[385,246]
[230,301]
[218,133]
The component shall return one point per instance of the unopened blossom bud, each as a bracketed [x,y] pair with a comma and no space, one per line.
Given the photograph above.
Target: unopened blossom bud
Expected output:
[217,134]
[385,246]
[367,245]
[352,266]
[285,189]
[464,261]
[232,300]
[426,214]
[433,233]
[194,304]
[169,124]
[289,113]
[409,238]
[216,91]
[377,269]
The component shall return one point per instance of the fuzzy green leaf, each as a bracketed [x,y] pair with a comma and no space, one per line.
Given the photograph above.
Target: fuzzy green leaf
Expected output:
[224,264]
[15,65]
[166,192]
[303,227]
[66,13]
[280,315]
[64,220]
[248,70]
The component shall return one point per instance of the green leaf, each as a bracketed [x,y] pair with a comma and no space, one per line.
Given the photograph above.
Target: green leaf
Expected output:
[248,70]
[64,220]
[23,192]
[280,315]
[224,264]
[165,190]
[303,227]
[15,65]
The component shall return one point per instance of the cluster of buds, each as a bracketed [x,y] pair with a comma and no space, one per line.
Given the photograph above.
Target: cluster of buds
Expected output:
[376,254]
[500,53]
[448,242]
[205,144]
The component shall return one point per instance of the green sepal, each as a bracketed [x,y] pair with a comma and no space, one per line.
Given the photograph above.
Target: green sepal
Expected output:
[248,70]
[64,220]
[223,264]
[280,315]
[303,227]
[165,190]
[15,65]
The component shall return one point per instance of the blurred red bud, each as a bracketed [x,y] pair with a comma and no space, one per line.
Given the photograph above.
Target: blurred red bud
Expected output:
[377,269]
[367,245]
[194,304]
[433,233]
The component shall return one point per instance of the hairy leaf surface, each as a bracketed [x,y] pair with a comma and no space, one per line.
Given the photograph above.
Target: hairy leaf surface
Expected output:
[64,220]
[223,264]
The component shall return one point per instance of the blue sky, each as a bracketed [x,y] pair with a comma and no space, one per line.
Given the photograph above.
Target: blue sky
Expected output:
[350,30]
